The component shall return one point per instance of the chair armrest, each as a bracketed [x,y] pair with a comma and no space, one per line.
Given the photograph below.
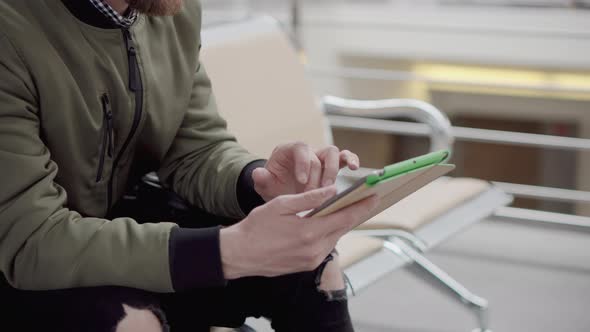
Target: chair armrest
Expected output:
[441,136]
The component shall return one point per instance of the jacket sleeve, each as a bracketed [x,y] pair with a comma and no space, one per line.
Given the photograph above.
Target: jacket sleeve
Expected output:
[43,244]
[204,162]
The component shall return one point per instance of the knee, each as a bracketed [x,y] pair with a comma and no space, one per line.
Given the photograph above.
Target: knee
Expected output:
[332,278]
[143,320]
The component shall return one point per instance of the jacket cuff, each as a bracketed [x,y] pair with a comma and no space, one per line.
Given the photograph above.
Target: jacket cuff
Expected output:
[195,258]
[248,198]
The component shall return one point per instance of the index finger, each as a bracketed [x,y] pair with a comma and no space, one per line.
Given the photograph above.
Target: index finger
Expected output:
[302,162]
[330,162]
[349,159]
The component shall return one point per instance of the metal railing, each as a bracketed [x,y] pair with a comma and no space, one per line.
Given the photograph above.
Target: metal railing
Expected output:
[461,133]
[356,115]
[544,218]
[545,193]
[439,126]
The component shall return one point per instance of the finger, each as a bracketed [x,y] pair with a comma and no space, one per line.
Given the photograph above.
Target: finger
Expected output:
[293,204]
[302,162]
[330,158]
[315,172]
[262,178]
[349,159]
[348,218]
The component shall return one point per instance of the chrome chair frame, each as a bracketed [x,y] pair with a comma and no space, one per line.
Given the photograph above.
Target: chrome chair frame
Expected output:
[407,246]
[441,136]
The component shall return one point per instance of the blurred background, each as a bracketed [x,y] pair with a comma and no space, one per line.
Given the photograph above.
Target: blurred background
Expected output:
[495,68]
[508,65]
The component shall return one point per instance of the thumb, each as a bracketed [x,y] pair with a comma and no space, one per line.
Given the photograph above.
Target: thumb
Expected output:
[262,177]
[292,204]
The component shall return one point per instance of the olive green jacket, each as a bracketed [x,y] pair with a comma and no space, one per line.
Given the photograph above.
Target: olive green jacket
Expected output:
[78,106]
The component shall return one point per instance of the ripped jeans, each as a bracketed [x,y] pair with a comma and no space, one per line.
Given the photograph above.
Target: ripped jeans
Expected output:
[293,303]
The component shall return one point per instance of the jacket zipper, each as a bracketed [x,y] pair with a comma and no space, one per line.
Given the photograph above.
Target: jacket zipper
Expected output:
[135,86]
[107,136]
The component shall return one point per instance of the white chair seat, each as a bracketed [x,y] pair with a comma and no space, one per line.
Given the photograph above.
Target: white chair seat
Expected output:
[353,248]
[426,204]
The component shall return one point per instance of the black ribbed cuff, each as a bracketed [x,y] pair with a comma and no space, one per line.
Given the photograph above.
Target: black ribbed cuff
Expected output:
[195,258]
[248,198]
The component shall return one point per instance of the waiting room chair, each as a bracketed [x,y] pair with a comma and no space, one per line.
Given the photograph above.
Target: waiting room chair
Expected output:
[262,91]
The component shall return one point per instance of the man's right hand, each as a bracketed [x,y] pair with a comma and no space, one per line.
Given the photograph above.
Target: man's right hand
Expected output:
[274,241]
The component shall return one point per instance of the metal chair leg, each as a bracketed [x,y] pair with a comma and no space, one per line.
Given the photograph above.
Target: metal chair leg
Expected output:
[478,304]
[386,234]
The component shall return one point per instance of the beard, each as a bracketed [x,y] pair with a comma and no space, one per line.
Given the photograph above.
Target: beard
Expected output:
[156,7]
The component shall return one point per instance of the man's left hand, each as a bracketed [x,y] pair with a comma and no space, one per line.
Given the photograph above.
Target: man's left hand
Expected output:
[295,168]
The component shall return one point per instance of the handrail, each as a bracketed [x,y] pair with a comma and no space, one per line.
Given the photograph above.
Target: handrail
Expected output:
[486,136]
[545,193]
[544,217]
[462,133]
[440,130]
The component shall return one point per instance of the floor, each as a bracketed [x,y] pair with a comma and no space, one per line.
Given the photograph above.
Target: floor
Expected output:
[535,278]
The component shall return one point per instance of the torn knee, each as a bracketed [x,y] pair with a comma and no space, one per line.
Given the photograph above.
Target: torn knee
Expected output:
[145,319]
[329,279]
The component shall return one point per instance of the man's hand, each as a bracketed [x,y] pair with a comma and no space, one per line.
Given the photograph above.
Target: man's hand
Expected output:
[274,241]
[295,168]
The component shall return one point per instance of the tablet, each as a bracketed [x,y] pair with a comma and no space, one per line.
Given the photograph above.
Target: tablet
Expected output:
[391,184]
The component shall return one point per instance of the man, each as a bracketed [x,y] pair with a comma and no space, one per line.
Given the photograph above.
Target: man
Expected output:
[96,93]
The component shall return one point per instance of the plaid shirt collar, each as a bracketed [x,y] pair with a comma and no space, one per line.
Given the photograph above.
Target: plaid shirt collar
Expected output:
[124,22]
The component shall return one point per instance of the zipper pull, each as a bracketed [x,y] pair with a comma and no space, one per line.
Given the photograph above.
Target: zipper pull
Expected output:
[132,60]
[108,116]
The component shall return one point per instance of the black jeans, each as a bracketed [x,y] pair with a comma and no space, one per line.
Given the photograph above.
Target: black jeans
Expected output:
[292,302]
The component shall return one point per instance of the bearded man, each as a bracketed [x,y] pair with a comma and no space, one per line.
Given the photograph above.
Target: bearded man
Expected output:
[93,95]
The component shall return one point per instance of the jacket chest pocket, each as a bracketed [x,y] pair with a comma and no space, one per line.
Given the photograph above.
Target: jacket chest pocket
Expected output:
[107,139]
